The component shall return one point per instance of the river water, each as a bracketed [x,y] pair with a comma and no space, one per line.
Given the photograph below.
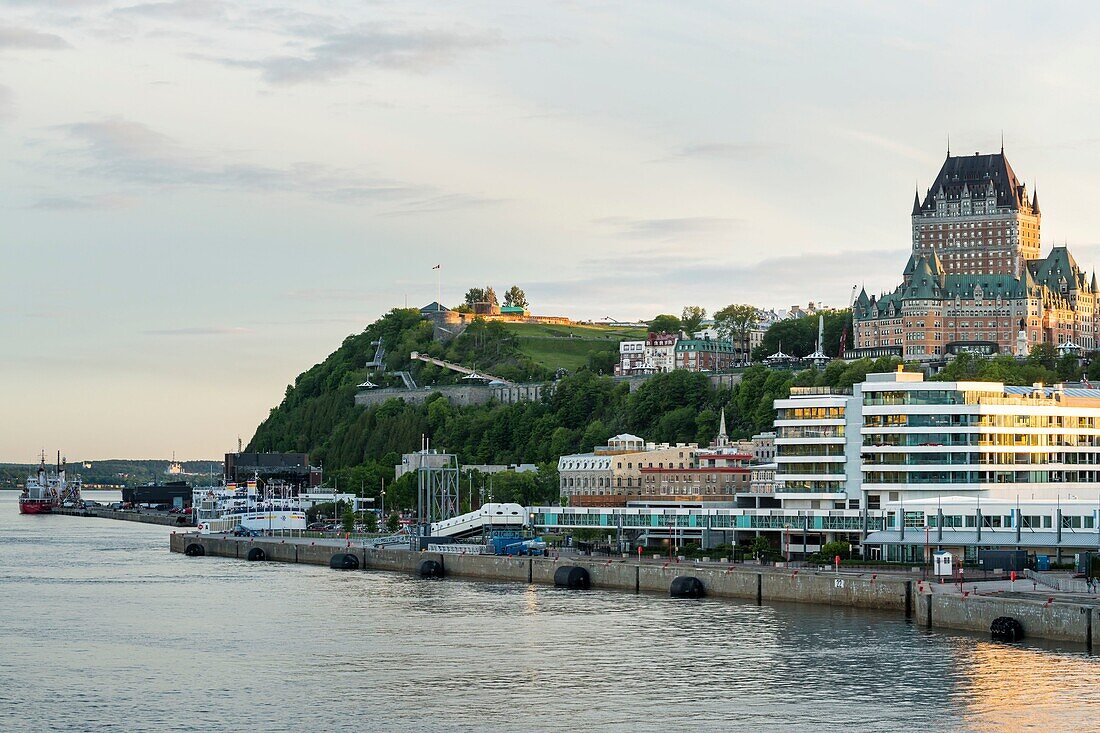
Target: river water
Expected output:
[102,629]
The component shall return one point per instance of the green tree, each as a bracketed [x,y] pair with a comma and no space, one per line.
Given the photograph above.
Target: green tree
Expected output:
[837,547]
[515,297]
[665,323]
[371,521]
[602,362]
[520,488]
[1094,366]
[761,549]
[691,318]
[349,518]
[1068,368]
[475,295]
[735,322]
[798,336]
[1044,355]
[491,295]
[548,481]
[393,522]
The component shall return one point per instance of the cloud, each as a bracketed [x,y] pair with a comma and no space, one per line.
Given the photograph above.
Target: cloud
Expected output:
[11,37]
[738,151]
[668,229]
[371,46]
[888,144]
[7,103]
[442,202]
[176,10]
[200,331]
[80,203]
[133,153]
[772,282]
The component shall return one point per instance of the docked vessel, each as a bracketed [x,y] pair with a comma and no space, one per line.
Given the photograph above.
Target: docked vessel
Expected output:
[223,508]
[44,490]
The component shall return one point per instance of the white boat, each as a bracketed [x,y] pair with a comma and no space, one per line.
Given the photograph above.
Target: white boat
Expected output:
[224,508]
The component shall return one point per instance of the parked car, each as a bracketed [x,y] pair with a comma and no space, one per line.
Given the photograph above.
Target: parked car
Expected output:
[241,531]
[162,507]
[316,527]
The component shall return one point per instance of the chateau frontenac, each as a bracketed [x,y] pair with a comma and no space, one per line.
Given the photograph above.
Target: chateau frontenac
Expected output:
[976,280]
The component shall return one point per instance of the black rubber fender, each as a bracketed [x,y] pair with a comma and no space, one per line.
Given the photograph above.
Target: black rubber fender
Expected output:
[1006,628]
[344,561]
[687,586]
[194,550]
[256,554]
[430,569]
[571,576]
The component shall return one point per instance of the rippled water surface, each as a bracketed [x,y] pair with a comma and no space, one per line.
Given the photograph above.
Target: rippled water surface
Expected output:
[104,630]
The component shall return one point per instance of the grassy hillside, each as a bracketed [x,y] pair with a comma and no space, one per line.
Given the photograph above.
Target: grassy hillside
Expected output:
[569,347]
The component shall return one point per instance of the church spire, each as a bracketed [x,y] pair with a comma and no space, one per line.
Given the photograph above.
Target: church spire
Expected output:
[916,201]
[722,440]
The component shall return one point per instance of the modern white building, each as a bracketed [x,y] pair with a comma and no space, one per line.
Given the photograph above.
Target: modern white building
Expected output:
[814,431]
[1017,466]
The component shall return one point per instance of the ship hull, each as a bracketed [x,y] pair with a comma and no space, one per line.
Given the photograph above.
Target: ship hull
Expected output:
[35,507]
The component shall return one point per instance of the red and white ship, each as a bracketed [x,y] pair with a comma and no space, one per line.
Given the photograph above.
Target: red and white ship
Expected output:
[44,490]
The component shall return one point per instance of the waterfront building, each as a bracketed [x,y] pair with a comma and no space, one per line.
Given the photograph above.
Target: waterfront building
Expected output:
[813,444]
[612,474]
[643,473]
[898,446]
[792,532]
[584,476]
[976,280]
[290,469]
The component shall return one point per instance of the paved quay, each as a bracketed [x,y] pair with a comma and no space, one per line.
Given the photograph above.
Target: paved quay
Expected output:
[1047,615]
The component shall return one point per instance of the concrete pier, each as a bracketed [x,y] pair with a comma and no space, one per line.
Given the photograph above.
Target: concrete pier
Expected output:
[913,600]
[168,520]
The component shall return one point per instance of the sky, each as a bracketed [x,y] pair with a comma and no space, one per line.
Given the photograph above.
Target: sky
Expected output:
[200,200]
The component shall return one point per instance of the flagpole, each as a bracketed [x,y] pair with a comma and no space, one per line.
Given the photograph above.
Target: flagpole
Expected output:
[439,284]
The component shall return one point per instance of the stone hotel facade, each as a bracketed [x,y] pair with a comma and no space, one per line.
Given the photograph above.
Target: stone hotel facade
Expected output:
[976,280]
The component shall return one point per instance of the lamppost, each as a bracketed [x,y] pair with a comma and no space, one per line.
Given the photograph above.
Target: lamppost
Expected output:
[382,493]
[787,533]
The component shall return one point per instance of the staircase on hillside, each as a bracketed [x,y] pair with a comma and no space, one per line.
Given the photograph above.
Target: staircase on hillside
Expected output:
[379,355]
